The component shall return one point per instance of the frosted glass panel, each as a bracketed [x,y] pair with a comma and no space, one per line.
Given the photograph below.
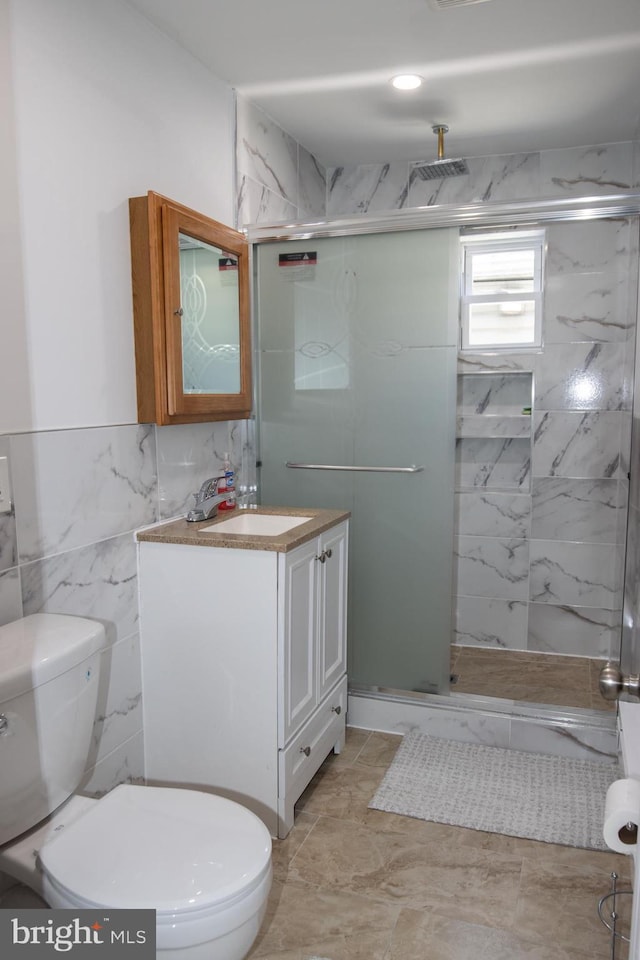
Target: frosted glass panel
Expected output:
[357,367]
[209,298]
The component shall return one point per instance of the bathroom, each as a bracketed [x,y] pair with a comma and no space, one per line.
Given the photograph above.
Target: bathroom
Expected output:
[78,140]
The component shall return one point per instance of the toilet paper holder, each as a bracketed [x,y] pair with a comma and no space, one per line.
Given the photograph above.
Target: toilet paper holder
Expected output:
[611,923]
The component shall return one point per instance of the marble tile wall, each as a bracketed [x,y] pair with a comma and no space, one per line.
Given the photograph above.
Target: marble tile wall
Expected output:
[68,546]
[277,179]
[580,171]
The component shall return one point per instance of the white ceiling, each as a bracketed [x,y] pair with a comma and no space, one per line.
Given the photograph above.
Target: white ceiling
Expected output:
[505,75]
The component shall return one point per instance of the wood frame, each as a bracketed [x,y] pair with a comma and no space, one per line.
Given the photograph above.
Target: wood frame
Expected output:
[155,222]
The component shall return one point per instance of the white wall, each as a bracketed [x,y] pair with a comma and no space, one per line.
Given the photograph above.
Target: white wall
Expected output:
[106,107]
[14,380]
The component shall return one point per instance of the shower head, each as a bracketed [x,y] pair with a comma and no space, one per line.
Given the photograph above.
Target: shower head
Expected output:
[434,169]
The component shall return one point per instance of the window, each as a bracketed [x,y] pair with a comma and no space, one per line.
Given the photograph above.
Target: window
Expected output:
[501,302]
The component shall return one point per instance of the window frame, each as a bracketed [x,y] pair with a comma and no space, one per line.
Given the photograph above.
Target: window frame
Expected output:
[492,242]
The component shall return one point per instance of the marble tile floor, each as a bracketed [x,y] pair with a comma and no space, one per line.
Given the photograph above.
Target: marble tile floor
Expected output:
[533,677]
[357,884]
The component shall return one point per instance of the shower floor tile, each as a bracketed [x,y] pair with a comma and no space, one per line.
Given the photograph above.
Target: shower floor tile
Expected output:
[528,676]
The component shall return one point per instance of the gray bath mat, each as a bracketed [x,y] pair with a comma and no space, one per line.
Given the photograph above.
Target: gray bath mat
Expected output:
[540,797]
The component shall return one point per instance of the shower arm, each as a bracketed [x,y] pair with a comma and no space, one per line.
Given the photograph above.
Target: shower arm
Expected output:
[335,466]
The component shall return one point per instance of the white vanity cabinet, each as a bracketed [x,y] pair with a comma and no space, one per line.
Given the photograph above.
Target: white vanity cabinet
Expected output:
[244,666]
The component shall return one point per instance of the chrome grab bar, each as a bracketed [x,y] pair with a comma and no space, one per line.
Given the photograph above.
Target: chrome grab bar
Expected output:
[336,466]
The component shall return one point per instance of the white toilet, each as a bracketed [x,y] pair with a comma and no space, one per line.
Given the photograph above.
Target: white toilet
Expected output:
[201,861]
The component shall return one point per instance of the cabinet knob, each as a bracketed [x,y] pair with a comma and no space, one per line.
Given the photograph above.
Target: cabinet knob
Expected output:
[4,724]
[305,750]
[328,552]
[337,709]
[322,557]
[179,312]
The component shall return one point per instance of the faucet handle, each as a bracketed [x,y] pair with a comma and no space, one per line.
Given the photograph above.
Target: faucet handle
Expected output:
[208,489]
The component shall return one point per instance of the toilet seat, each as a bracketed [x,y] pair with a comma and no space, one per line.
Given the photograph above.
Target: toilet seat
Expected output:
[198,859]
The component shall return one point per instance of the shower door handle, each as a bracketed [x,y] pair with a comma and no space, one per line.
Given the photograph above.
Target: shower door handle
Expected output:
[338,466]
[613,682]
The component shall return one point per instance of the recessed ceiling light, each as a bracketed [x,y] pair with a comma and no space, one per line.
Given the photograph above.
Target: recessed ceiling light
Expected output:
[406,81]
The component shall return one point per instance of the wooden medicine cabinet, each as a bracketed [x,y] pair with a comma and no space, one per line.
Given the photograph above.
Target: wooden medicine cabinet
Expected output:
[190,279]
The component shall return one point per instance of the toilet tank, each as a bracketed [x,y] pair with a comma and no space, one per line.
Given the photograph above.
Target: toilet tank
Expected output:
[49,667]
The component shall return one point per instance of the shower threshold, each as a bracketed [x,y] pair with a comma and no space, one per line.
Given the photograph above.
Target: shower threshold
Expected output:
[576,732]
[490,705]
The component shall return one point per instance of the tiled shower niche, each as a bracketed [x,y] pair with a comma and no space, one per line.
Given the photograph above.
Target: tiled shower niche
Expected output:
[493,431]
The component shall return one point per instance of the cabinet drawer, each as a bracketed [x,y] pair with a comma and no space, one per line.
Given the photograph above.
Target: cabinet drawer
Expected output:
[303,755]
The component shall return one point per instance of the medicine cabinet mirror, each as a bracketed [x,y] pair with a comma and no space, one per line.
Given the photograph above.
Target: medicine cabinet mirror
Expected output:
[190,279]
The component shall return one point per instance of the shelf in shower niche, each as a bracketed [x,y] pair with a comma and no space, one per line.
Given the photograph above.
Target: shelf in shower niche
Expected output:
[492,488]
[493,426]
[495,372]
[504,397]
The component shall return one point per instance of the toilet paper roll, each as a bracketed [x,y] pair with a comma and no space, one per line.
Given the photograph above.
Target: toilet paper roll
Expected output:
[622,816]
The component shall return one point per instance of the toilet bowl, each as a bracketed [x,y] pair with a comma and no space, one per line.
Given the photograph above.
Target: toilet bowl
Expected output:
[201,861]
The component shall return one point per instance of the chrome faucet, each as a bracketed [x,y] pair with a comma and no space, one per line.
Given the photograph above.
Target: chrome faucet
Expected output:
[208,500]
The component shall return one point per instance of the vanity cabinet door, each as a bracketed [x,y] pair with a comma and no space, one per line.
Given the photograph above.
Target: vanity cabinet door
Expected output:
[332,609]
[313,611]
[298,614]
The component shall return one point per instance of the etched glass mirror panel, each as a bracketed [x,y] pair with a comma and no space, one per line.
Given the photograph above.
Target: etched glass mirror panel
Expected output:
[209,298]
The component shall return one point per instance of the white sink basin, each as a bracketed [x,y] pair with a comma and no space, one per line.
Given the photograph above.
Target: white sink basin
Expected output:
[256,524]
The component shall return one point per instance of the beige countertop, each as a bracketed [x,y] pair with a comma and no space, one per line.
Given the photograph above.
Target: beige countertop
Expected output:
[181,531]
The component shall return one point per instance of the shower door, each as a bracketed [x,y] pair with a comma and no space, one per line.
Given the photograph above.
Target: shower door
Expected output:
[357,355]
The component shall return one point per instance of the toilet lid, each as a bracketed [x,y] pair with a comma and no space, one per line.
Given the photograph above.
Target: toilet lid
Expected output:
[160,848]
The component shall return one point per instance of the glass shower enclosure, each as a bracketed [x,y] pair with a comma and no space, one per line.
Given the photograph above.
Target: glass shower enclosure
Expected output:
[356,397]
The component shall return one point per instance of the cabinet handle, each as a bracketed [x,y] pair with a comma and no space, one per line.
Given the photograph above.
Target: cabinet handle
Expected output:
[322,557]
[328,552]
[305,750]
[337,710]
